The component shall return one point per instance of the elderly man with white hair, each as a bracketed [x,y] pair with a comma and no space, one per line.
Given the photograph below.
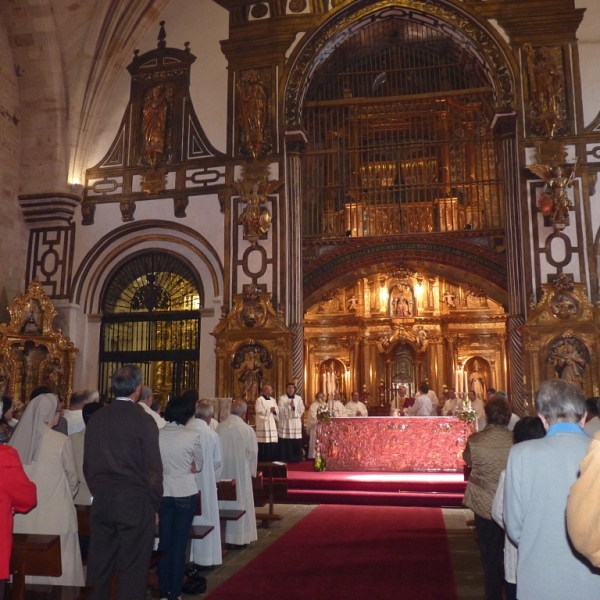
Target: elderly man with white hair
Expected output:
[145,401]
[207,552]
[539,476]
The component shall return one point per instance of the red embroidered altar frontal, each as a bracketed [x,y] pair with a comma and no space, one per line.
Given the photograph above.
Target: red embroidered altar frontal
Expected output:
[393,443]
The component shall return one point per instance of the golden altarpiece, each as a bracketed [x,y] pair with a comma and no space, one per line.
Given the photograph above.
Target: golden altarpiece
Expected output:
[561,337]
[32,352]
[253,348]
[401,327]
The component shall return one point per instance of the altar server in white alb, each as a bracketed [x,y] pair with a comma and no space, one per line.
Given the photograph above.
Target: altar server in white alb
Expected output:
[336,408]
[356,408]
[291,412]
[266,426]
[422,406]
[240,453]
[207,552]
[311,422]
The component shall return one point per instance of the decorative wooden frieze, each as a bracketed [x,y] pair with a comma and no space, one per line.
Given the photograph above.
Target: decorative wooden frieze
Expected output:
[160,150]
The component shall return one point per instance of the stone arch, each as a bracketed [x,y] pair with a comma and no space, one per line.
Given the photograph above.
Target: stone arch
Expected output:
[110,251]
[453,18]
[445,255]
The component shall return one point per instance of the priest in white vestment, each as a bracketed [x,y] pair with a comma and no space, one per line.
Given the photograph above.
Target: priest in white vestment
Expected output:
[311,422]
[397,403]
[336,408]
[291,413]
[240,452]
[207,552]
[266,426]
[356,408]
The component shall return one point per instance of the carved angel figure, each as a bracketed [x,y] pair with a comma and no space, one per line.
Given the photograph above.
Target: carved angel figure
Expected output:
[554,201]
[256,218]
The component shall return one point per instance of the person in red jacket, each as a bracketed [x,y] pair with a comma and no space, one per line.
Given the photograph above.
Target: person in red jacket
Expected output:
[17,494]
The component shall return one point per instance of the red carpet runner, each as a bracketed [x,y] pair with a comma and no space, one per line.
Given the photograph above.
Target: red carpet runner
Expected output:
[348,552]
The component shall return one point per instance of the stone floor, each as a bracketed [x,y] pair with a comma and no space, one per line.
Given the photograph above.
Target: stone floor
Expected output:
[463,548]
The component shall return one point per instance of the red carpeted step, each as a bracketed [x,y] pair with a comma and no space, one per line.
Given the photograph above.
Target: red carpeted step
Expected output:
[373,499]
[307,486]
[345,552]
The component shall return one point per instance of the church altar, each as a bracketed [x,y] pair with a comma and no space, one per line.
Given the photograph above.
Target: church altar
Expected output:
[393,443]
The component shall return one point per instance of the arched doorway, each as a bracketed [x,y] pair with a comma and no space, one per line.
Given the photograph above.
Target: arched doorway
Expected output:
[404,193]
[150,317]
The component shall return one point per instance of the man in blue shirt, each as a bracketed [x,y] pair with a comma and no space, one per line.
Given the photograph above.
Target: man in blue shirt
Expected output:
[539,476]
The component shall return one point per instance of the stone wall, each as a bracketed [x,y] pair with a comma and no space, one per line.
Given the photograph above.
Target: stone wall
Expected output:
[13,233]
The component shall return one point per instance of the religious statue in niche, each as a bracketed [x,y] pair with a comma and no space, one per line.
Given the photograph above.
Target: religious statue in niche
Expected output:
[422,336]
[250,363]
[33,324]
[564,306]
[477,381]
[570,358]
[330,302]
[154,129]
[401,301]
[154,123]
[353,303]
[252,113]
[476,297]
[546,86]
[554,202]
[449,298]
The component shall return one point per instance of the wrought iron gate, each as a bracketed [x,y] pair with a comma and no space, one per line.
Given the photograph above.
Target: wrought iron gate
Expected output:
[151,318]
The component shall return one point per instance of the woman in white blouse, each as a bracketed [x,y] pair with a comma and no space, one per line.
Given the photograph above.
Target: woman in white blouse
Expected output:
[181,453]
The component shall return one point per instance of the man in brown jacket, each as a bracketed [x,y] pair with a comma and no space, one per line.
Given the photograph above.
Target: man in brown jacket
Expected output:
[486,453]
[123,469]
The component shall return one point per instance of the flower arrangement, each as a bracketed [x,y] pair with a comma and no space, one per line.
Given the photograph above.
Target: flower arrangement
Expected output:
[323,413]
[467,413]
[320,464]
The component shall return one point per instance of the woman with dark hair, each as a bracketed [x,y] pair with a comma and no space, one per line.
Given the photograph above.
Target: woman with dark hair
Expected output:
[487,453]
[7,412]
[181,453]
[528,428]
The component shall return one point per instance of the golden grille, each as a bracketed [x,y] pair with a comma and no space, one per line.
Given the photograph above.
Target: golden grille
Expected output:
[399,138]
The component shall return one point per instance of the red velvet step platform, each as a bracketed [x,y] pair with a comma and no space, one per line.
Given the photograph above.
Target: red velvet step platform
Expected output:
[307,486]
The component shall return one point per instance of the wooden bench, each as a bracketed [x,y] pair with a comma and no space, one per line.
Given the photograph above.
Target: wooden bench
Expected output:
[51,592]
[226,489]
[273,490]
[33,554]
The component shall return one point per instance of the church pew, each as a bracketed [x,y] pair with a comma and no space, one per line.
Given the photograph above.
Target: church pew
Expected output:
[51,592]
[227,490]
[33,554]
[274,490]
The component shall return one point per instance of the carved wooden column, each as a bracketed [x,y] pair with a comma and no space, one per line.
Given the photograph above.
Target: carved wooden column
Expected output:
[295,144]
[505,126]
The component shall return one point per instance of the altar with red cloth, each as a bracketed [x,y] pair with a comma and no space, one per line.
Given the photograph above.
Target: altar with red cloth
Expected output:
[393,443]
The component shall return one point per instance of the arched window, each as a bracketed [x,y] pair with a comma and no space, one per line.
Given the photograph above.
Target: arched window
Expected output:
[151,318]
